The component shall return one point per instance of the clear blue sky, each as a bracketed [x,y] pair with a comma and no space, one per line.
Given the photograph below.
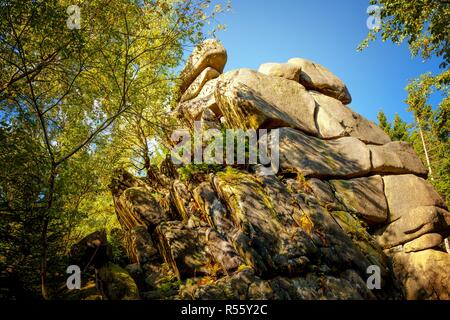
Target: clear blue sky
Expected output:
[328,32]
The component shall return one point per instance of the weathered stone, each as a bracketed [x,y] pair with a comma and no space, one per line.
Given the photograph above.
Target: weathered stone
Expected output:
[322,191]
[396,158]
[414,223]
[213,209]
[426,241]
[140,246]
[195,252]
[344,157]
[268,239]
[252,100]
[138,207]
[424,274]
[233,287]
[117,284]
[335,246]
[406,192]
[285,70]
[337,120]
[363,240]
[92,250]
[210,53]
[182,249]
[196,87]
[316,77]
[364,196]
[182,198]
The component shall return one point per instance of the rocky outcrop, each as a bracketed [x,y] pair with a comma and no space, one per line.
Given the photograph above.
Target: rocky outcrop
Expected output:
[210,53]
[316,77]
[345,201]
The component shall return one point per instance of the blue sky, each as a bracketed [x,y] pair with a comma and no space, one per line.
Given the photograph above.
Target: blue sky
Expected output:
[327,32]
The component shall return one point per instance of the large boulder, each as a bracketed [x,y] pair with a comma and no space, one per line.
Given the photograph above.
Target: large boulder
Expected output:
[407,192]
[285,70]
[316,77]
[267,237]
[396,158]
[427,241]
[92,251]
[196,87]
[334,119]
[117,284]
[195,251]
[140,246]
[215,212]
[344,157]
[137,206]
[364,196]
[210,53]
[424,274]
[252,100]
[414,223]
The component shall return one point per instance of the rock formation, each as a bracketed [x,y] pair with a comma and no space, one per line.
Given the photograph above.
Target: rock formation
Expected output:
[346,198]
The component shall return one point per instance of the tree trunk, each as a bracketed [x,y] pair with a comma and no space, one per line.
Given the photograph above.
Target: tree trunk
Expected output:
[425,148]
[44,239]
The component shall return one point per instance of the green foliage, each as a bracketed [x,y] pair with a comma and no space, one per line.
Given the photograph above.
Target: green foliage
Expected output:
[424,24]
[74,106]
[399,130]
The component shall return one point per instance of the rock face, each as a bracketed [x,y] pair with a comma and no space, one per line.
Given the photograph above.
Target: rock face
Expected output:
[312,157]
[334,120]
[252,100]
[365,196]
[345,200]
[285,70]
[210,53]
[316,77]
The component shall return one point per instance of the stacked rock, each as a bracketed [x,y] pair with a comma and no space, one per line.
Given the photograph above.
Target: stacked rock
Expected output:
[345,158]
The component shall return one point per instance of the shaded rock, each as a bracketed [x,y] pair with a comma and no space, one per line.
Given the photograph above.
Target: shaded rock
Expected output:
[363,240]
[396,157]
[413,224]
[117,284]
[268,239]
[140,246]
[426,241]
[345,157]
[335,246]
[401,199]
[424,274]
[195,252]
[364,196]
[210,53]
[92,250]
[322,191]
[138,207]
[196,87]
[136,272]
[182,249]
[284,70]
[337,120]
[316,77]
[252,100]
[182,199]
[213,209]
[234,287]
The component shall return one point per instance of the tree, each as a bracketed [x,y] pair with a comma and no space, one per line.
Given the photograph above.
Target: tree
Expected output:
[62,90]
[399,130]
[424,25]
